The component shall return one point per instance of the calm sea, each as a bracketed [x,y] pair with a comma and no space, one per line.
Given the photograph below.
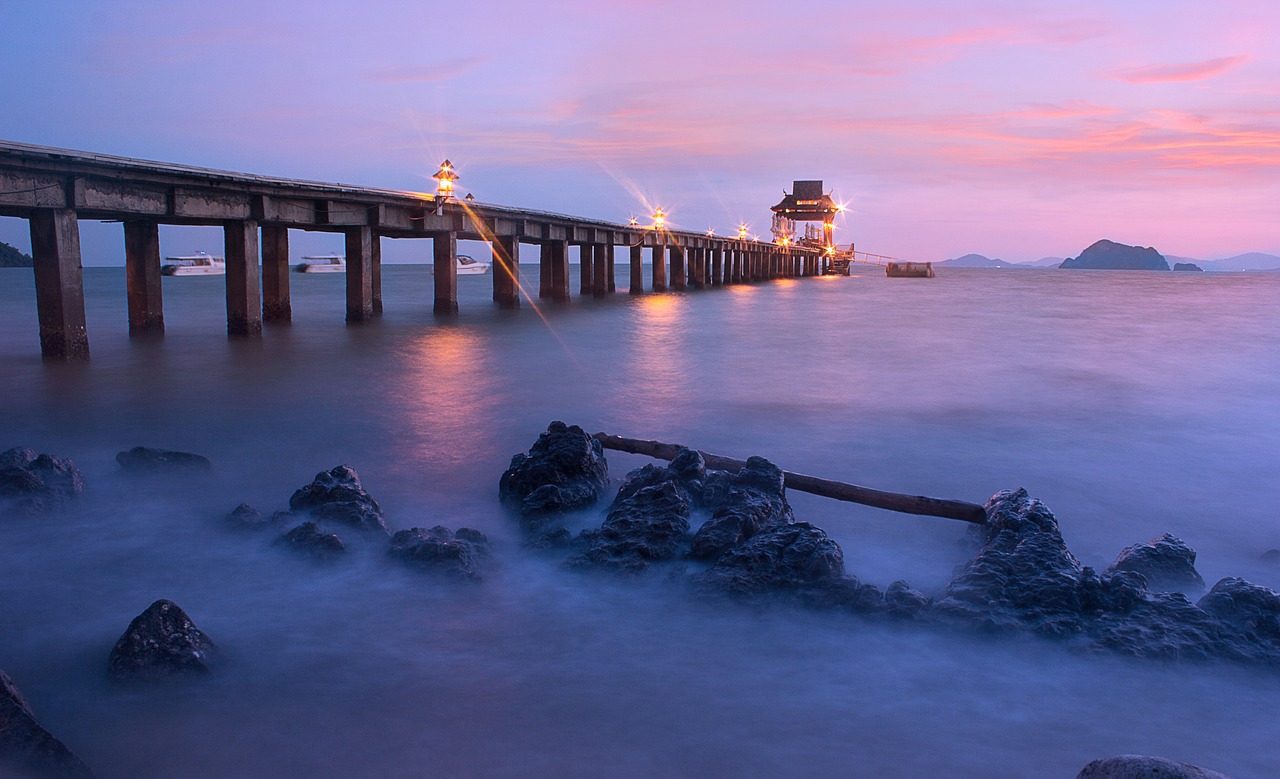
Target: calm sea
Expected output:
[1131,403]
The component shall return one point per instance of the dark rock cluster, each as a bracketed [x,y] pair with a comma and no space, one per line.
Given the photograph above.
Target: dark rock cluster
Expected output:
[1144,767]
[439,550]
[1166,563]
[161,641]
[32,484]
[338,496]
[142,459]
[564,470]
[26,748]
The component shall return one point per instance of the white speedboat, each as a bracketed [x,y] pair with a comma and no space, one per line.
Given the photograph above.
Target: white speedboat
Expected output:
[323,263]
[470,266]
[198,264]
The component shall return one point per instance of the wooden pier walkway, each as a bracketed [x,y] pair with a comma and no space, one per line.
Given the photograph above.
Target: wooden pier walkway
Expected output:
[54,188]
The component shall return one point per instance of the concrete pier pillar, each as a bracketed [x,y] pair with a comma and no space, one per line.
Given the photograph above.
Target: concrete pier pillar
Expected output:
[55,247]
[359,274]
[555,256]
[637,270]
[544,271]
[612,270]
[717,266]
[659,269]
[276,304]
[586,269]
[244,303]
[678,277]
[444,252]
[375,273]
[142,277]
[506,271]
[699,268]
[600,275]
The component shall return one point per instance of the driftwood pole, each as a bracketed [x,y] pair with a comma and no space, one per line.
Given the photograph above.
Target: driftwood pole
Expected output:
[893,501]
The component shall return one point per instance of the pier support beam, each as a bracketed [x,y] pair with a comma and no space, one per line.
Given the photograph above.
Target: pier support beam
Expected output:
[359,274]
[659,268]
[276,305]
[444,252]
[586,269]
[637,270]
[142,278]
[55,247]
[600,253]
[554,268]
[678,273]
[375,272]
[717,267]
[506,271]
[698,269]
[612,270]
[244,303]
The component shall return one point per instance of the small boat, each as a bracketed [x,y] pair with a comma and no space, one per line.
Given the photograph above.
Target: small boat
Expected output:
[909,270]
[470,266]
[323,263]
[198,264]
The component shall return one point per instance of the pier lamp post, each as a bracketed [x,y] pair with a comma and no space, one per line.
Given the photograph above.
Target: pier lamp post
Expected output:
[742,231]
[659,219]
[633,222]
[711,231]
[444,185]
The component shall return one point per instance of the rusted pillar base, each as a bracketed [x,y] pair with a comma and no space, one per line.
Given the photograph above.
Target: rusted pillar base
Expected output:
[506,271]
[637,270]
[55,247]
[444,251]
[244,303]
[142,278]
[359,274]
[276,305]
[600,274]
[659,269]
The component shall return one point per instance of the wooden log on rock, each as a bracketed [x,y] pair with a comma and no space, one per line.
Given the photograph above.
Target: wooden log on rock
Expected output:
[828,488]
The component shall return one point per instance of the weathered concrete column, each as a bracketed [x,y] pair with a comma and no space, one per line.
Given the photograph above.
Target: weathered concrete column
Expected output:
[142,277]
[698,269]
[555,254]
[659,269]
[678,273]
[506,271]
[612,270]
[276,305]
[600,252]
[444,252]
[55,247]
[359,274]
[544,271]
[244,303]
[637,270]
[586,269]
[717,266]
[375,272]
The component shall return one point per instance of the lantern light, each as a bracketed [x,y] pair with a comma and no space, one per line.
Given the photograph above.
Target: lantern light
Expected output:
[659,219]
[632,222]
[742,231]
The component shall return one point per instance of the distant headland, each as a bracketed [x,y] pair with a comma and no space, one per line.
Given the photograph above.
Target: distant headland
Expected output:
[12,258]
[1109,255]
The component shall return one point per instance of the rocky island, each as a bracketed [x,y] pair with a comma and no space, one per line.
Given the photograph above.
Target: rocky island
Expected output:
[1109,255]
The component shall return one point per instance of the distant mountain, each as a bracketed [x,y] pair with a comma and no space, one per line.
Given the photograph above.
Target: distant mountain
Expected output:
[1109,255]
[974,261]
[12,258]
[1250,261]
[1043,262]
[1185,266]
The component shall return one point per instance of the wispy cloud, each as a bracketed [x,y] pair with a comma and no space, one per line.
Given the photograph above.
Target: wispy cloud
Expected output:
[1192,71]
[427,74]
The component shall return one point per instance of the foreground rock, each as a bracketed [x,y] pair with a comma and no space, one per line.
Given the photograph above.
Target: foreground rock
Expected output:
[142,459]
[792,558]
[33,483]
[161,641]
[308,539]
[26,748]
[1168,565]
[742,505]
[648,526]
[1144,767]
[1024,578]
[440,550]
[564,470]
[337,495]
[246,517]
[1109,255]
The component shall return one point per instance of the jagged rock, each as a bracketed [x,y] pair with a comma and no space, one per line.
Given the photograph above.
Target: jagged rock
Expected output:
[1166,563]
[337,495]
[142,459]
[27,748]
[648,526]
[246,517]
[34,483]
[779,558]
[161,641]
[551,538]
[564,470]
[754,499]
[1249,608]
[440,550]
[903,600]
[309,539]
[1144,767]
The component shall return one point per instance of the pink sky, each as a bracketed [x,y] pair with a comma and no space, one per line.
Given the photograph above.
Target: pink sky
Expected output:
[1011,129]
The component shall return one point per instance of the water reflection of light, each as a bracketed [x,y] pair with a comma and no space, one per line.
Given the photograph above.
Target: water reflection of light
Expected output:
[448,394]
[661,368]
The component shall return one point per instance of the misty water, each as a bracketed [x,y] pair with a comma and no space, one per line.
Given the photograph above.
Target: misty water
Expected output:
[1131,403]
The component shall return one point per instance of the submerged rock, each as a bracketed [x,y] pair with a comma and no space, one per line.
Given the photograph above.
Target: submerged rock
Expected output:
[1144,767]
[34,483]
[142,459]
[1166,563]
[648,526]
[161,641]
[310,540]
[564,470]
[28,749]
[441,550]
[246,517]
[780,558]
[337,495]
[1249,608]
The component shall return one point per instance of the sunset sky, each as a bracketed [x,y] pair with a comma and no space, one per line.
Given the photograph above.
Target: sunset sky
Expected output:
[1012,129]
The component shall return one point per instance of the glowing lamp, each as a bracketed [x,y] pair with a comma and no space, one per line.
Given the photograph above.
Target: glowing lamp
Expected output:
[742,231]
[444,180]
[711,231]
[659,219]
[632,222]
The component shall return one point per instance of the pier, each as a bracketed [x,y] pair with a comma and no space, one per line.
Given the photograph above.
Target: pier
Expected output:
[55,188]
